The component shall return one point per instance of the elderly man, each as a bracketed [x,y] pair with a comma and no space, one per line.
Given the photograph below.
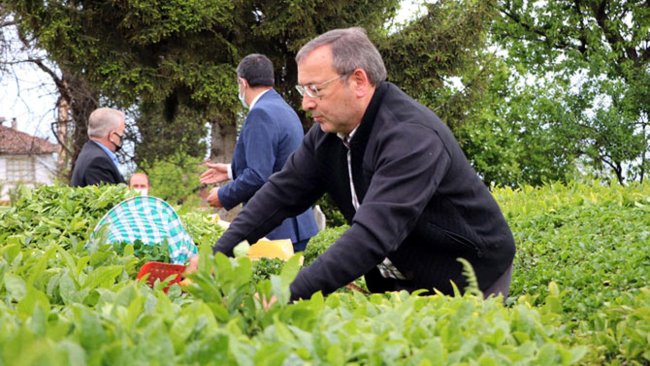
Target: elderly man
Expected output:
[413,202]
[97,162]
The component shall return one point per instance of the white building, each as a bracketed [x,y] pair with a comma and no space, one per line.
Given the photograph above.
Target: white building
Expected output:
[24,159]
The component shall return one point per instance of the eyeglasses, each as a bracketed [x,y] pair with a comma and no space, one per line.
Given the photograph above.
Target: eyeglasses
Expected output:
[118,135]
[313,90]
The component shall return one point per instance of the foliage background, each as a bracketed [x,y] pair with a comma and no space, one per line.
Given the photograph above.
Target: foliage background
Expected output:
[536,92]
[176,179]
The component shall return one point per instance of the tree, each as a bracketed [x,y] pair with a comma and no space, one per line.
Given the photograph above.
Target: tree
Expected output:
[75,99]
[174,179]
[156,138]
[446,61]
[173,63]
[438,57]
[599,51]
[119,54]
[6,21]
[162,55]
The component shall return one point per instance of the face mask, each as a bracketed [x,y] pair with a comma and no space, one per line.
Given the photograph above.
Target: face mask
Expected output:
[242,97]
[118,147]
[142,191]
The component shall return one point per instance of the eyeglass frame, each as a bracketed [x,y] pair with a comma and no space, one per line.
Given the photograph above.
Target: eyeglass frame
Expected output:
[313,90]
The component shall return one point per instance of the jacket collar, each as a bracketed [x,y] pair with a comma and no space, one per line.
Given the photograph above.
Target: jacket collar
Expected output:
[365,127]
[258,97]
[108,152]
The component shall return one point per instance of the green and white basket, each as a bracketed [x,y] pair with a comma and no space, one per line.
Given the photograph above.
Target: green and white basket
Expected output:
[150,220]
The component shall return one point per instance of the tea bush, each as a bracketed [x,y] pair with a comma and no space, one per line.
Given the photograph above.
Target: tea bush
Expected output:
[579,294]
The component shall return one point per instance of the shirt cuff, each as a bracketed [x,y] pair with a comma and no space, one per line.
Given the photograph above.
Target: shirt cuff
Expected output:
[229,171]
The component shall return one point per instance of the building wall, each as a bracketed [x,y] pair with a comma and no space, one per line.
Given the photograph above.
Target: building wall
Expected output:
[3,169]
[45,166]
[4,185]
[42,169]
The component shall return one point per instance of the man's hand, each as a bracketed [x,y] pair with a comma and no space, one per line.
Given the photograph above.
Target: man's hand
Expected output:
[213,198]
[266,303]
[192,265]
[216,173]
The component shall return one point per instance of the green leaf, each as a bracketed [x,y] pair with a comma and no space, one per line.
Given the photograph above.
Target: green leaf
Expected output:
[35,306]
[281,283]
[241,249]
[16,287]
[39,268]
[68,289]
[10,251]
[102,277]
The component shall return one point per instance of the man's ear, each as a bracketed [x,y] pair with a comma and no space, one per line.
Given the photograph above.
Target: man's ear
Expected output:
[360,83]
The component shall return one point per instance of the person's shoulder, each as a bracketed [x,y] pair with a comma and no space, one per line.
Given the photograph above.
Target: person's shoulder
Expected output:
[401,107]
[88,146]
[91,146]
[271,94]
[93,149]
[393,93]
[275,109]
[94,156]
[88,151]
[271,100]
[401,116]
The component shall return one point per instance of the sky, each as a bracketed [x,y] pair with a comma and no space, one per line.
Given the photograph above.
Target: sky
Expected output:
[29,95]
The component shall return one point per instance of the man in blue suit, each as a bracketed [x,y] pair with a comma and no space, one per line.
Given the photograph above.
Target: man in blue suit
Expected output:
[270,134]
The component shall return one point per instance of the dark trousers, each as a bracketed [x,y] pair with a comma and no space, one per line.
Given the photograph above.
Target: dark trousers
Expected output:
[377,283]
[300,246]
[501,286]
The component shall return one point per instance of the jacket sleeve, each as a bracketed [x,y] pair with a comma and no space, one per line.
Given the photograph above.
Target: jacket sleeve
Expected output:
[288,193]
[409,163]
[260,139]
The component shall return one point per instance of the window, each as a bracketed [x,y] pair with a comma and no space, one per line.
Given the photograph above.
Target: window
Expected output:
[20,169]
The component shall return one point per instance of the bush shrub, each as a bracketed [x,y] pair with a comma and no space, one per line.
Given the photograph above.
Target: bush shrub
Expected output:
[579,294]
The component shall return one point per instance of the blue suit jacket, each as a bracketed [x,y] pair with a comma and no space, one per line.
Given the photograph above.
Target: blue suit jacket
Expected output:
[271,132]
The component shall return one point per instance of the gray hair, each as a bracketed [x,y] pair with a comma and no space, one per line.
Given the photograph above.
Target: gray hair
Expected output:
[103,120]
[351,50]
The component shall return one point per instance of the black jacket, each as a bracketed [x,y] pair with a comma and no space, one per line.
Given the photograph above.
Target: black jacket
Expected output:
[94,167]
[422,205]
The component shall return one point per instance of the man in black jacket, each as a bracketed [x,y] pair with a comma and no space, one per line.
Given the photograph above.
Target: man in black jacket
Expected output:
[97,162]
[413,202]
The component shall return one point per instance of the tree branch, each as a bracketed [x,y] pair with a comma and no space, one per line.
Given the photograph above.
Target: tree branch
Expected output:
[645,55]
[8,24]
[583,40]
[542,36]
[615,39]
[53,126]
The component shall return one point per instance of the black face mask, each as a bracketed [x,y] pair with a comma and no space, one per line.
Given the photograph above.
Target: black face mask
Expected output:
[118,147]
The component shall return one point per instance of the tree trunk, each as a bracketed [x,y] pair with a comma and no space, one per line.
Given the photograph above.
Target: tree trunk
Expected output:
[222,148]
[644,159]
[63,136]
[224,137]
[82,101]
